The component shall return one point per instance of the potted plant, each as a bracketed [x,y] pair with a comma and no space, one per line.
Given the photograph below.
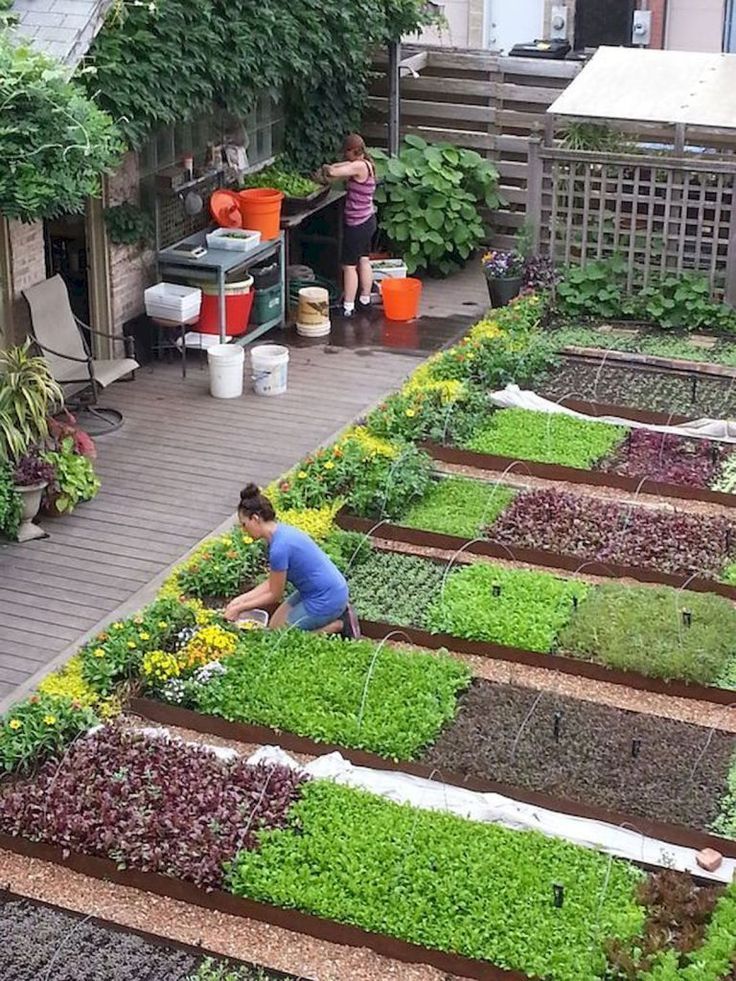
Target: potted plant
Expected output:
[31,477]
[504,272]
[28,395]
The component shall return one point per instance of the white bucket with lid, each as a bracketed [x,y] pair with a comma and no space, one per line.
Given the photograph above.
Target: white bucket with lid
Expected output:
[226,370]
[270,365]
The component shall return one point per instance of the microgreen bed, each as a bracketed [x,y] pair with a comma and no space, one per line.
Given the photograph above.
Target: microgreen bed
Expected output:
[608,532]
[444,882]
[667,459]
[457,506]
[546,438]
[395,588]
[518,608]
[150,804]
[644,629]
[358,694]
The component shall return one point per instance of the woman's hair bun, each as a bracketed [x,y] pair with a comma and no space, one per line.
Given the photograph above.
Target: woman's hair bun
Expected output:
[249,492]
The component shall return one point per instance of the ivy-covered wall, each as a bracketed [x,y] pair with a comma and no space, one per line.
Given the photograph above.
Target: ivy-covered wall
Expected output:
[165,61]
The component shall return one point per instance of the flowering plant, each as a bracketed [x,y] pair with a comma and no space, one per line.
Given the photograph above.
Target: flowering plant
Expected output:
[503,265]
[39,727]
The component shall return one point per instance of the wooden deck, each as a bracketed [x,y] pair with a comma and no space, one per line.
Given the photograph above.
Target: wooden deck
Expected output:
[172,474]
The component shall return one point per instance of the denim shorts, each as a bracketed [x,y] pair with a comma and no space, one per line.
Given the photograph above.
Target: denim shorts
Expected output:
[298,615]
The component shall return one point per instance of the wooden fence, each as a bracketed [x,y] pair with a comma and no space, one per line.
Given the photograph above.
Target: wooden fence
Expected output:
[659,213]
[480,101]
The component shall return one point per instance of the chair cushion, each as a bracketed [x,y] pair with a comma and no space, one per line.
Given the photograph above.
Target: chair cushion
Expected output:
[109,371]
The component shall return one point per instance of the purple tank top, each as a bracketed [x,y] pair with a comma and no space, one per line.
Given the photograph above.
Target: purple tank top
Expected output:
[359,200]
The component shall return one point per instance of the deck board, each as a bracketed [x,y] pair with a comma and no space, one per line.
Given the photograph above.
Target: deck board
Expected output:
[172,473]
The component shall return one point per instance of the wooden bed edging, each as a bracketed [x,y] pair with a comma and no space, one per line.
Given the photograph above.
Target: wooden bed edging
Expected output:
[531,556]
[174,715]
[549,662]
[165,943]
[634,359]
[647,416]
[287,919]
[574,475]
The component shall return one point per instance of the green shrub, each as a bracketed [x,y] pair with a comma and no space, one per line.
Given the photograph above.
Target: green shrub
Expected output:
[444,882]
[428,200]
[355,693]
[75,480]
[430,412]
[10,503]
[515,607]
[395,588]
[546,438]
[347,549]
[457,506]
[642,629]
[226,567]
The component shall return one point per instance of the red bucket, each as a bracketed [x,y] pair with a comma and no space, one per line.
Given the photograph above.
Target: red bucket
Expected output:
[238,305]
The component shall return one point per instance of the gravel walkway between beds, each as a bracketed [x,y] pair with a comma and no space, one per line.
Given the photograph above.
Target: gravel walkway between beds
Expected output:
[229,935]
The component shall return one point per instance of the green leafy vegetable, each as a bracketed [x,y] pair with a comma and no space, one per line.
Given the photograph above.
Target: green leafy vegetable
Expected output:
[444,882]
[546,438]
[457,506]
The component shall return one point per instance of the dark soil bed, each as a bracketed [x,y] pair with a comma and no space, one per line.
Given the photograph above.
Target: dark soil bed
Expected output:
[37,942]
[643,389]
[624,761]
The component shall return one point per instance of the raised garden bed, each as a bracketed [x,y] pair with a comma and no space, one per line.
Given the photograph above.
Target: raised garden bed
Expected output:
[36,937]
[667,393]
[627,635]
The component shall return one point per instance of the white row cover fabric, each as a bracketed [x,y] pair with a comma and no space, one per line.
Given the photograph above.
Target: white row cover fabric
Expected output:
[513,397]
[431,795]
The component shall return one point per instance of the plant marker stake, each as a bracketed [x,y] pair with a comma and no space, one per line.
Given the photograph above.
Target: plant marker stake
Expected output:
[635,748]
[558,720]
[496,589]
[694,391]
[574,602]
[715,454]
[728,540]
[687,618]
[559,892]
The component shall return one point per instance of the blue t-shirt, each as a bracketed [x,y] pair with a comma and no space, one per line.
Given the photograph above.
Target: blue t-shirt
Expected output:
[321,585]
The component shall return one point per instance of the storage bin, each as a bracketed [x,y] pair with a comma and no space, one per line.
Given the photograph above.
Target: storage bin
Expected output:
[264,277]
[170,301]
[233,239]
[267,305]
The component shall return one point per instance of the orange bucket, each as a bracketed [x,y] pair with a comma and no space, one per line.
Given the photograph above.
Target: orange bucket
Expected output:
[261,210]
[401,298]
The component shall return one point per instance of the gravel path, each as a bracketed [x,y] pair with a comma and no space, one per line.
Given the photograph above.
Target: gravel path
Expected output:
[229,935]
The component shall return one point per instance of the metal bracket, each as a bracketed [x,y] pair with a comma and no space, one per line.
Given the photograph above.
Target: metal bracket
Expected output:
[641,32]
[558,23]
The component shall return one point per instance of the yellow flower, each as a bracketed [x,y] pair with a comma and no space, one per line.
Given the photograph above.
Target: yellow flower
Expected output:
[138,621]
[49,720]
[132,645]
[162,625]
[117,626]
[144,636]
[411,413]
[302,474]
[15,724]
[329,465]
[99,652]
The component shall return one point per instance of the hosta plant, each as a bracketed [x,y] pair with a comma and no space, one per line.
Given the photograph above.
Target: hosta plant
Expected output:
[429,199]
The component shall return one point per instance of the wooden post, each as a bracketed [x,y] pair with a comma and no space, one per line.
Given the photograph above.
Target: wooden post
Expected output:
[679,138]
[534,192]
[730,291]
[394,98]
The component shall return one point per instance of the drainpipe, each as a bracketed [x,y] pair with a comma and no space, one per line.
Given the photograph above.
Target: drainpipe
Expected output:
[394,97]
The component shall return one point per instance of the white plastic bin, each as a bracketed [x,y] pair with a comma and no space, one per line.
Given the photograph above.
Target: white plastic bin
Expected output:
[226,363]
[170,301]
[233,239]
[270,364]
[388,269]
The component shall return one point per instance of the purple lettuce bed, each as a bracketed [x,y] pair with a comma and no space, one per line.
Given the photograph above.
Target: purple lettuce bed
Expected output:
[153,804]
[666,459]
[672,542]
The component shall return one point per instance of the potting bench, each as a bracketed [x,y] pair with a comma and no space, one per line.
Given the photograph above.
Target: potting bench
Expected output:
[301,230]
[215,266]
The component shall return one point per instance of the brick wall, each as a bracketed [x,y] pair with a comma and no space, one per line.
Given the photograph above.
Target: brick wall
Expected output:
[28,267]
[131,270]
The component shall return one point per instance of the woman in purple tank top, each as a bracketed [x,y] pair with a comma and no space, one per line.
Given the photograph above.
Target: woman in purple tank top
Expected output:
[360,221]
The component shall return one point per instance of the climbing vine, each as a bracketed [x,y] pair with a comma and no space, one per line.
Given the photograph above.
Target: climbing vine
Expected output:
[54,141]
[162,63]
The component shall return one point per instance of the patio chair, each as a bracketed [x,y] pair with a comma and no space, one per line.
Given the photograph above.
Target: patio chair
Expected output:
[58,333]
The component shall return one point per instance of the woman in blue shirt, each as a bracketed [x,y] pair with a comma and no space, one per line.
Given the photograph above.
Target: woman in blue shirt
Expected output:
[320,600]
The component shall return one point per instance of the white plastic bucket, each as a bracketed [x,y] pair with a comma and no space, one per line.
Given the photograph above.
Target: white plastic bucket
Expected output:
[314,330]
[226,370]
[270,364]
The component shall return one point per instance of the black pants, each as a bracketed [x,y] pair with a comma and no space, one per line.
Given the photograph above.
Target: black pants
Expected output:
[356,241]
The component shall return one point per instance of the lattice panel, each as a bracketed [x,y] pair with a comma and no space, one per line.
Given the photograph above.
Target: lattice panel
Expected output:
[660,215]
